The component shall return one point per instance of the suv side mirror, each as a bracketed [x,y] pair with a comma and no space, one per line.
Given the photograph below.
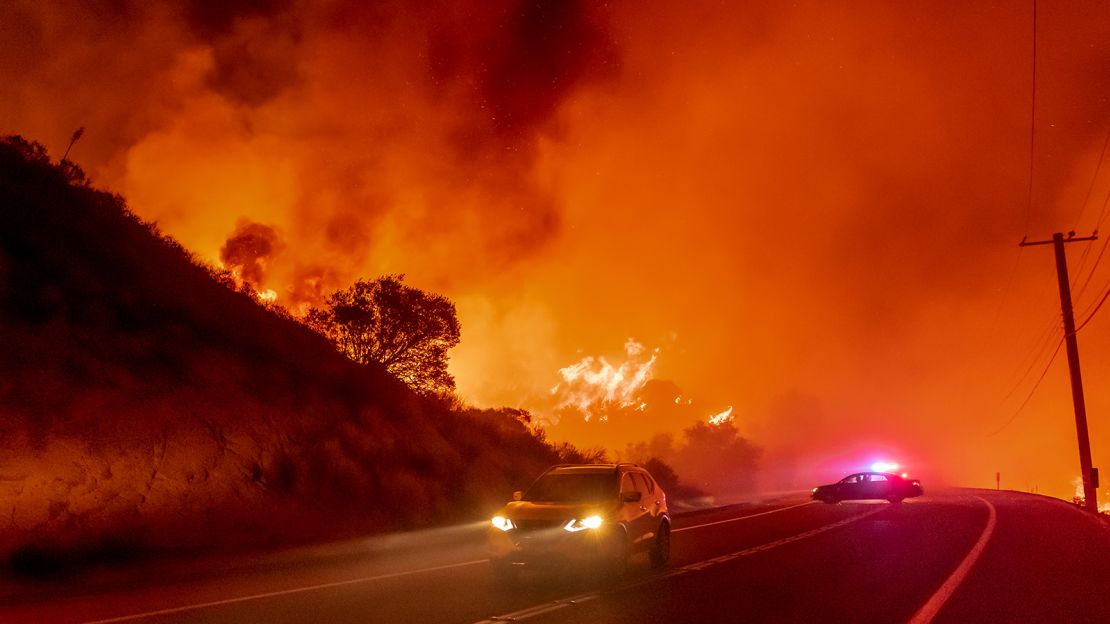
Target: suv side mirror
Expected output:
[518,495]
[631,497]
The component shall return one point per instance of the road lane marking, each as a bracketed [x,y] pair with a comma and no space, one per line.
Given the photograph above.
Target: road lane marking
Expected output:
[563,603]
[554,605]
[284,592]
[929,610]
[762,513]
[701,565]
[216,603]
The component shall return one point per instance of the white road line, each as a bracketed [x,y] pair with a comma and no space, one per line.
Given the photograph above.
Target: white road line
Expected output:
[763,513]
[284,592]
[782,542]
[929,610]
[547,607]
[555,605]
[216,603]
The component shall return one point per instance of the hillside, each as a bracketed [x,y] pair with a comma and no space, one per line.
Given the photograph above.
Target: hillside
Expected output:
[146,406]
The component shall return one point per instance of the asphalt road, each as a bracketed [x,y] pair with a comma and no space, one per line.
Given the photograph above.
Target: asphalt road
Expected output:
[960,556]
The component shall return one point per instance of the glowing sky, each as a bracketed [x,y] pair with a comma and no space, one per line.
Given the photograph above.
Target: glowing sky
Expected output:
[810,209]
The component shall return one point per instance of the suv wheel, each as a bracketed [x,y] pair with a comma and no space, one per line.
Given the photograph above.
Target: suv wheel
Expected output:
[615,565]
[661,550]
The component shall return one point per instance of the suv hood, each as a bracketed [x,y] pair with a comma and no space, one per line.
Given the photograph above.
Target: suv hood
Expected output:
[528,510]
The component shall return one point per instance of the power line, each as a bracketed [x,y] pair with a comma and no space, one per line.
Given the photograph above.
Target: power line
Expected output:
[1094,178]
[1043,344]
[1094,304]
[1031,391]
[1093,312]
[1083,259]
[1101,252]
[1102,213]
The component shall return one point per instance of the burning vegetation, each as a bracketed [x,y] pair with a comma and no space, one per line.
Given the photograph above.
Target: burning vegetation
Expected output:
[145,406]
[755,180]
[806,216]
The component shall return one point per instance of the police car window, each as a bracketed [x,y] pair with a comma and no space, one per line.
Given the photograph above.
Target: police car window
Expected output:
[641,483]
[878,477]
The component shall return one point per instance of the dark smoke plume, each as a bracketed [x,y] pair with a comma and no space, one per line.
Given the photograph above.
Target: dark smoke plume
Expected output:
[248,250]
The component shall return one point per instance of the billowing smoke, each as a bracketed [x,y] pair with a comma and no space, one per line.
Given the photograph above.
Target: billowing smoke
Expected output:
[248,251]
[790,199]
[364,130]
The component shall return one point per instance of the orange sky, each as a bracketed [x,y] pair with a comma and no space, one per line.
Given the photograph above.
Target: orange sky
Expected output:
[811,210]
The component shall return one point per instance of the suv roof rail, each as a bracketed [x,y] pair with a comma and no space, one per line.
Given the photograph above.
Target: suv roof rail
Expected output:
[603,465]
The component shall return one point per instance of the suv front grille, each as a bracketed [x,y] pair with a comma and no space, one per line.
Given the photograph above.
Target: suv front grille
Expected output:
[538,525]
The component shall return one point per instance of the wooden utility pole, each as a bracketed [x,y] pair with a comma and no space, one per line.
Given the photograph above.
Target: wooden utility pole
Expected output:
[1057,242]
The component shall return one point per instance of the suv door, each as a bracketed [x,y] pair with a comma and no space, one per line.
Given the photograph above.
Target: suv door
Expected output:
[633,512]
[652,501]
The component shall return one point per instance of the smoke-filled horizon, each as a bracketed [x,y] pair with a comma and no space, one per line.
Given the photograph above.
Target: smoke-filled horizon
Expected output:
[808,214]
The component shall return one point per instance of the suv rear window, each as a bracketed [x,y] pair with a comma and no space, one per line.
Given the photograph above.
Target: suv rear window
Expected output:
[573,488]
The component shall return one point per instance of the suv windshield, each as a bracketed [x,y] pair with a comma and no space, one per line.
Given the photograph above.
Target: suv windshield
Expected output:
[573,488]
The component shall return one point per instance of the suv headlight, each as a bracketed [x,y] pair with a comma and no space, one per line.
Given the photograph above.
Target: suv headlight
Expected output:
[581,524]
[503,523]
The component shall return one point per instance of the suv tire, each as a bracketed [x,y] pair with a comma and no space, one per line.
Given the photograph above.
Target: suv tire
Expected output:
[616,564]
[661,549]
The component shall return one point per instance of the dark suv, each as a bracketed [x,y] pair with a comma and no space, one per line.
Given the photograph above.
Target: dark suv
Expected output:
[595,514]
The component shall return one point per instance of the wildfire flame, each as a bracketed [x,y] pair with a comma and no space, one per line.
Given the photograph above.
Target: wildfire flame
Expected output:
[1103,507]
[594,384]
[722,417]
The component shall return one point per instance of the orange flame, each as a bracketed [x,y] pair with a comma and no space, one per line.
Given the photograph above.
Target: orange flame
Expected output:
[722,417]
[593,384]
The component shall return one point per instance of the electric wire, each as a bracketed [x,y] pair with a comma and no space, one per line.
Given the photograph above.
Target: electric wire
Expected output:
[1032,391]
[1028,204]
[1098,223]
[1094,178]
[1101,252]
[1102,213]
[1094,304]
[1029,363]
[1083,259]
[1087,310]
[1093,312]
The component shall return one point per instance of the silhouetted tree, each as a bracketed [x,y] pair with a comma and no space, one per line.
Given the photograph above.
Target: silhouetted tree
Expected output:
[717,458]
[570,454]
[405,329]
[663,473]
